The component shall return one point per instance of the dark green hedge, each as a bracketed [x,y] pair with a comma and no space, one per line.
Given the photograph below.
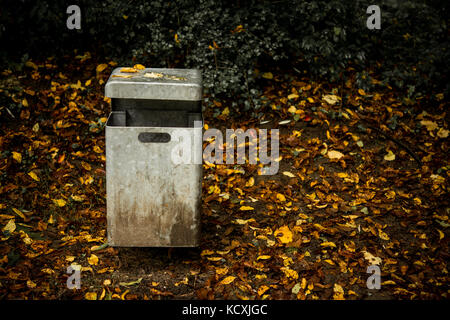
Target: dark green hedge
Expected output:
[228,39]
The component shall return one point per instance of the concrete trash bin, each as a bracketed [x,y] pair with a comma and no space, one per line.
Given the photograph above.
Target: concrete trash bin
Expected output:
[153,201]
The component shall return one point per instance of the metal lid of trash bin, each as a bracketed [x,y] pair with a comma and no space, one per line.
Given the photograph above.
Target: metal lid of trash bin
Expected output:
[155,84]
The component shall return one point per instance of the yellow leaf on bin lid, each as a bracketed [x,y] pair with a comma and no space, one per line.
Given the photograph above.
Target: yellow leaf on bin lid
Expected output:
[128,70]
[139,67]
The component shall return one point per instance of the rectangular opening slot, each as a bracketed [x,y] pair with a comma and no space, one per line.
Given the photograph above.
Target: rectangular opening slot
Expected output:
[153,118]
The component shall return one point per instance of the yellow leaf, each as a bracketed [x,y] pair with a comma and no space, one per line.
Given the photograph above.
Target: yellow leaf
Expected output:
[441,234]
[283,234]
[17,156]
[139,67]
[333,154]
[93,260]
[128,70]
[19,213]
[442,133]
[262,290]
[328,244]
[383,235]
[242,221]
[226,111]
[287,173]
[10,227]
[76,198]
[86,166]
[97,149]
[227,280]
[250,182]
[292,96]
[371,258]
[430,125]
[263,257]
[289,273]
[390,156]
[281,197]
[246,208]
[267,75]
[90,296]
[361,92]
[292,109]
[25,103]
[206,252]
[33,175]
[331,99]
[31,284]
[222,271]
[310,100]
[338,292]
[101,67]
[51,220]
[88,82]
[59,202]
[215,259]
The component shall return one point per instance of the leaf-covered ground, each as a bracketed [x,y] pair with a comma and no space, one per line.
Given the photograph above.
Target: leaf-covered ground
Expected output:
[346,196]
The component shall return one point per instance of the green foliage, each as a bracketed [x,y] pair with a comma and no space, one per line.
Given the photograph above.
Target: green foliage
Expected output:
[324,37]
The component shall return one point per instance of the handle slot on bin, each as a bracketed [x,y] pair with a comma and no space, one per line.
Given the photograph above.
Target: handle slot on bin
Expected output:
[158,137]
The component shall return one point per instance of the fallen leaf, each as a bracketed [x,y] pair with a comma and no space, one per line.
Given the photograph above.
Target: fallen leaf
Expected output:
[287,173]
[331,99]
[93,260]
[390,156]
[90,296]
[101,67]
[333,154]
[17,156]
[59,202]
[227,280]
[267,75]
[33,175]
[283,234]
